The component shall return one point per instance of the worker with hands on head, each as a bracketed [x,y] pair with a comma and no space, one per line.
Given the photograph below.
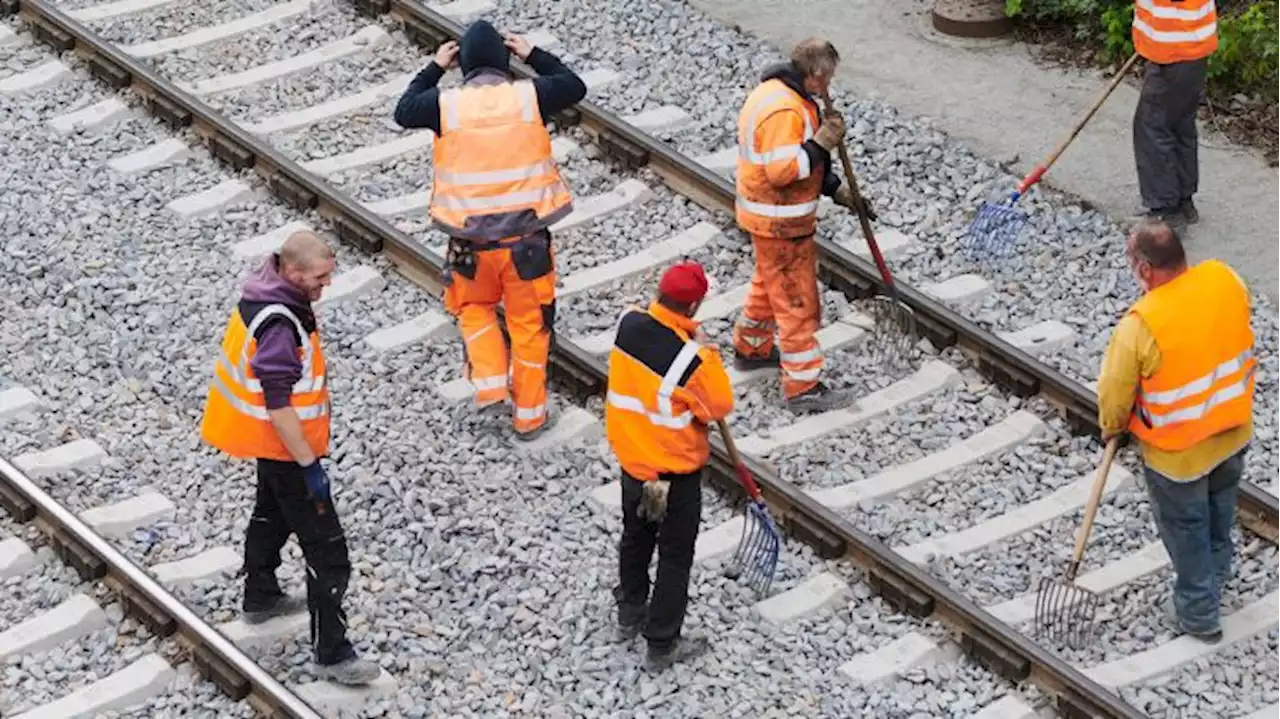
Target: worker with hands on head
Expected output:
[1176,38]
[665,389]
[269,401]
[496,192]
[1179,375]
[784,166]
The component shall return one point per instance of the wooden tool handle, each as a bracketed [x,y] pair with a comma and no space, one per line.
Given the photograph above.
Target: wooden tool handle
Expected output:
[744,477]
[1034,176]
[1091,507]
[862,216]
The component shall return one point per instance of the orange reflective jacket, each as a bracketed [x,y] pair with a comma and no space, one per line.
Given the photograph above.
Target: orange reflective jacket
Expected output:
[1200,322]
[495,176]
[664,389]
[777,187]
[235,411]
[1168,31]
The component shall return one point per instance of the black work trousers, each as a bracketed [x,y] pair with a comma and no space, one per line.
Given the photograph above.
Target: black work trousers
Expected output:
[662,614]
[1165,142]
[283,508]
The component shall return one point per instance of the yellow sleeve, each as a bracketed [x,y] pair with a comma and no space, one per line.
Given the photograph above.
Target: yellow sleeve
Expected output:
[1131,355]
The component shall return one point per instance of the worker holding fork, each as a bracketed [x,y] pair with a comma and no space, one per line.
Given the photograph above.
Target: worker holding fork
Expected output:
[784,165]
[666,386]
[1179,375]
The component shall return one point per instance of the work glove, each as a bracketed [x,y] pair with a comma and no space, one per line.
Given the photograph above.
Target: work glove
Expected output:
[653,500]
[844,197]
[317,481]
[831,132]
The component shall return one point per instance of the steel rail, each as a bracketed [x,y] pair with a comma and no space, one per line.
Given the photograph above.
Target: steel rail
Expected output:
[913,590]
[93,557]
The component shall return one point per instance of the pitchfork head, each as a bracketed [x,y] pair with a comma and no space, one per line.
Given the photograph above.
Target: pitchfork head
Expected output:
[1065,612]
[892,341]
[758,548]
[994,230]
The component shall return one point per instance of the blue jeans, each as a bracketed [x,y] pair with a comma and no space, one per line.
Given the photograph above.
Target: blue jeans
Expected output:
[1194,519]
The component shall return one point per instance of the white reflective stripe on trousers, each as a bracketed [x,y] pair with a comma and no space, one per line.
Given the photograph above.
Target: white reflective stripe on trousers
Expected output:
[778,211]
[1199,384]
[1165,12]
[1174,36]
[484,383]
[633,404]
[1196,411]
[529,413]
[803,375]
[805,356]
[688,353]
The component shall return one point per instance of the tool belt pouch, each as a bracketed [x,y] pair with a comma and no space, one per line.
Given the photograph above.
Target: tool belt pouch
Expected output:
[532,256]
[462,258]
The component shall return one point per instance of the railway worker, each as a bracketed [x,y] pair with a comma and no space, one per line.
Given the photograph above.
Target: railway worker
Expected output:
[1179,376]
[1175,37]
[496,193]
[665,387]
[784,165]
[268,401]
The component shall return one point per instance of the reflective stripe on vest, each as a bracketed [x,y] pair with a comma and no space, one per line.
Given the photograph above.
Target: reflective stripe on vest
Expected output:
[1204,385]
[666,415]
[760,207]
[236,418]
[1168,31]
[494,172]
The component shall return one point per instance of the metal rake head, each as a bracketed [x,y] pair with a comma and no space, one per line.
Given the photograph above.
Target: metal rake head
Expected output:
[758,548]
[1065,612]
[893,339]
[994,230]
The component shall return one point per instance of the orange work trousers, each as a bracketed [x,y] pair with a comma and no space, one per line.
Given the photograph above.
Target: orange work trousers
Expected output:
[522,277]
[784,297]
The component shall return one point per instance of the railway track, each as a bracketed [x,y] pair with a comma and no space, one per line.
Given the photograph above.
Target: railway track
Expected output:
[945,495]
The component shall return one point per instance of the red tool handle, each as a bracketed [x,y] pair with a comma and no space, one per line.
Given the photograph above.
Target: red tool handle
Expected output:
[744,477]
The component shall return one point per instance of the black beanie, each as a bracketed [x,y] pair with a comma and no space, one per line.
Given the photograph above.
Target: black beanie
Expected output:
[482,46]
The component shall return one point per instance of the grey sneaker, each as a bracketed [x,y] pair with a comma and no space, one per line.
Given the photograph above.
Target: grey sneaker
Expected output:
[823,399]
[1171,613]
[684,649]
[284,605]
[547,424]
[351,672]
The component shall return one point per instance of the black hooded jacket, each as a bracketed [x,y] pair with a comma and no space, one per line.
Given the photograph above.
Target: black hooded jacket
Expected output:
[482,51]
[818,157]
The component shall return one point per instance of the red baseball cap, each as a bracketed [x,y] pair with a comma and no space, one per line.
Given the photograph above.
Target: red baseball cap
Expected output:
[684,282]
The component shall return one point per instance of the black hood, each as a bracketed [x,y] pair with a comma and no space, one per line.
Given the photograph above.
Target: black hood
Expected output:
[787,73]
[482,46]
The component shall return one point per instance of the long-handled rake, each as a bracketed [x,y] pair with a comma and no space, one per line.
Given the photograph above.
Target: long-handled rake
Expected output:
[994,229]
[1064,610]
[895,336]
[760,542]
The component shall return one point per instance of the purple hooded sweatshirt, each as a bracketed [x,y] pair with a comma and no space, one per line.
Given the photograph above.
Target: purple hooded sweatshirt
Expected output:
[276,363]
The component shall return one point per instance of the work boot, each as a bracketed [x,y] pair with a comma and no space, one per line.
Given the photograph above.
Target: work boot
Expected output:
[284,605]
[1189,211]
[684,649]
[1171,612]
[1172,216]
[627,632]
[547,424]
[351,672]
[745,363]
[821,398]
[491,408]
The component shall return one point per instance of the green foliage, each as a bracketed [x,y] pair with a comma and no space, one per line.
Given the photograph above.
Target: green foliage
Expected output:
[1248,41]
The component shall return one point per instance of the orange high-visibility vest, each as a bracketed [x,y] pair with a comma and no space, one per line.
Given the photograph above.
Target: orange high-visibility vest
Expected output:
[235,411]
[1200,322]
[494,171]
[777,188]
[648,415]
[1168,31]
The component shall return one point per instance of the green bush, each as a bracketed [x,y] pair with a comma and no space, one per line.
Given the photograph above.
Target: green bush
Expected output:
[1248,44]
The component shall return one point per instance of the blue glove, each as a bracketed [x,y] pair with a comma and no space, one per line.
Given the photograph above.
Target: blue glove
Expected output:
[317,481]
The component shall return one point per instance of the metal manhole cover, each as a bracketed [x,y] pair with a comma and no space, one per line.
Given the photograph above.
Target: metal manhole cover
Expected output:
[971,18]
